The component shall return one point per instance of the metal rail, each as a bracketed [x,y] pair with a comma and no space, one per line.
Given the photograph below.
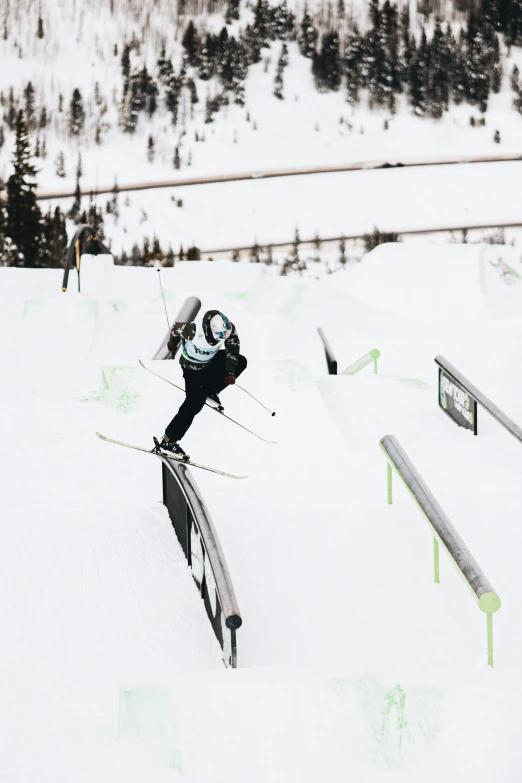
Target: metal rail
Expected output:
[187,314]
[83,235]
[444,532]
[275,173]
[480,397]
[331,361]
[364,361]
[198,538]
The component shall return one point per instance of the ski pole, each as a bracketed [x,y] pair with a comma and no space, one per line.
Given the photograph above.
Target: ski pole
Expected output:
[272,413]
[163,295]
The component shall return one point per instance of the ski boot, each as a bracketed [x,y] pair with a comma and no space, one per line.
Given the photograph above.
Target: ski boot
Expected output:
[174,448]
[216,401]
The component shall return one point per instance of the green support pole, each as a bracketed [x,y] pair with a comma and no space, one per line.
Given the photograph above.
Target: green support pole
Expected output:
[490,638]
[390,492]
[436,561]
[375,366]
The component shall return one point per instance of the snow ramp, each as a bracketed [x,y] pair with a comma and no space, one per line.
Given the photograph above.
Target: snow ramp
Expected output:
[352,662]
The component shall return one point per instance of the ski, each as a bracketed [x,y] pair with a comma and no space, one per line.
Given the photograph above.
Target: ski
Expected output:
[171,457]
[209,405]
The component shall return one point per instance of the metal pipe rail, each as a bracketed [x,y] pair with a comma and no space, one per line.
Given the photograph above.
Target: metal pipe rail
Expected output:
[77,246]
[364,361]
[444,532]
[480,397]
[187,314]
[331,361]
[195,530]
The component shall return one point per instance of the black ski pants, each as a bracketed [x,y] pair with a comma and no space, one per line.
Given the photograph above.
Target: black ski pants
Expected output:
[198,385]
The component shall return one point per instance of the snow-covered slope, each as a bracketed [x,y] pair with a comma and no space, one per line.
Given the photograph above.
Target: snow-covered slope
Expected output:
[352,662]
[306,128]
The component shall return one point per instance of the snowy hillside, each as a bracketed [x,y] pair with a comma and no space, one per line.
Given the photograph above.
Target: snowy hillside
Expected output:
[100,50]
[352,662]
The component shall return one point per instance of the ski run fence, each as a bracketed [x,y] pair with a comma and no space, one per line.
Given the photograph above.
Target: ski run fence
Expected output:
[444,533]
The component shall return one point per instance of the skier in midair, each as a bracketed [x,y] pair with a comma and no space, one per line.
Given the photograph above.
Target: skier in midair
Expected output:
[207,370]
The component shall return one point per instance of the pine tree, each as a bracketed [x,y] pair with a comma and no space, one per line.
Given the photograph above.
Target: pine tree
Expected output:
[165,69]
[278,83]
[24,219]
[150,149]
[40,30]
[157,252]
[232,11]
[498,71]
[177,159]
[54,248]
[438,74]
[191,84]
[170,258]
[295,248]
[60,165]
[42,122]
[193,253]
[2,136]
[75,210]
[342,252]
[145,256]
[11,110]
[307,36]
[353,60]
[29,106]
[190,43]
[76,113]
[207,58]
[327,64]
[125,61]
[172,97]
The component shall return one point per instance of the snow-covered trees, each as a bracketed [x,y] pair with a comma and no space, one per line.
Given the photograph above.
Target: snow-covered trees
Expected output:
[76,113]
[326,64]
[23,219]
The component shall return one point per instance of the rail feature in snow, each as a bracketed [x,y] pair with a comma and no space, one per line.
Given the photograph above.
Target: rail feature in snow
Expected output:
[444,533]
[331,361]
[458,397]
[364,361]
[340,168]
[188,312]
[355,367]
[196,533]
[85,240]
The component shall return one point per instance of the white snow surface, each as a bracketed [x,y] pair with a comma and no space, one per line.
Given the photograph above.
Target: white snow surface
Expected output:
[353,663]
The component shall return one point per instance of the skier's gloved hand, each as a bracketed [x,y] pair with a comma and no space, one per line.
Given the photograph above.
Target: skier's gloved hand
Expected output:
[230,379]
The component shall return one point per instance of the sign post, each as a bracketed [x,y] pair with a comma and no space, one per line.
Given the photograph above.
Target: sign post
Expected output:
[456,402]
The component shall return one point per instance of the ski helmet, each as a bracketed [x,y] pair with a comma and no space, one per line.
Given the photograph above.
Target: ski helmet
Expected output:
[220,326]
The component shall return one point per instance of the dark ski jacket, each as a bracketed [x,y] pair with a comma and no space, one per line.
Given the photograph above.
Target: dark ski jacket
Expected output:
[200,346]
